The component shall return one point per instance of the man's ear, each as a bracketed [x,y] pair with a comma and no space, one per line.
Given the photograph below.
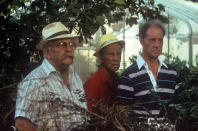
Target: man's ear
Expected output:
[99,58]
[46,52]
[141,40]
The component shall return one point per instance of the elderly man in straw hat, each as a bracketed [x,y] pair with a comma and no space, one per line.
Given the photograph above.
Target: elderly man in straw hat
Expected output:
[101,86]
[48,96]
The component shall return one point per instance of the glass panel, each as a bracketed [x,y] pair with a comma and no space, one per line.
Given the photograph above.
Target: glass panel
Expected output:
[195,48]
[194,26]
[178,39]
[132,44]
[85,62]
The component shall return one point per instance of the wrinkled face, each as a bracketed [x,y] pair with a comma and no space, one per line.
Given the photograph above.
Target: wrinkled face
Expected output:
[111,56]
[60,53]
[152,43]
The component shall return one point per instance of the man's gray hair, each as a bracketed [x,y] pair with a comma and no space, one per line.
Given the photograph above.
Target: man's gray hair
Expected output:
[144,27]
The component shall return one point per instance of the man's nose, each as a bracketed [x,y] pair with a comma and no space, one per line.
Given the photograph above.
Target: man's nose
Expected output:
[69,48]
[116,57]
[157,43]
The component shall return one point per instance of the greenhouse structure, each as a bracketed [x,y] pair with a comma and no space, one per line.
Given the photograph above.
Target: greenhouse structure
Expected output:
[181,38]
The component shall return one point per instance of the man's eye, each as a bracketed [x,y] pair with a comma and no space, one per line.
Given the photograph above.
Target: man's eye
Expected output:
[161,40]
[152,39]
[62,44]
[65,44]
[110,54]
[71,44]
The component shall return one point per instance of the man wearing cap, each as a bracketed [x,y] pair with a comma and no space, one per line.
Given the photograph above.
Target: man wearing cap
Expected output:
[101,86]
[48,98]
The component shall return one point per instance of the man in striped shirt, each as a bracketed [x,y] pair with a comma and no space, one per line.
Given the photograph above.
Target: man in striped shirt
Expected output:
[148,82]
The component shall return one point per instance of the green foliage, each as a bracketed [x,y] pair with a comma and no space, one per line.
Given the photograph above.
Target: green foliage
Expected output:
[132,59]
[184,108]
[192,0]
[196,59]
[181,66]
[114,118]
[186,112]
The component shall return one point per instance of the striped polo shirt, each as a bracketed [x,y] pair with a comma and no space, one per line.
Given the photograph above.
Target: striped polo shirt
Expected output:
[136,86]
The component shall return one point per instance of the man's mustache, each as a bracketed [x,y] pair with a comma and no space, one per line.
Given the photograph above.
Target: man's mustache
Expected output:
[156,49]
[71,55]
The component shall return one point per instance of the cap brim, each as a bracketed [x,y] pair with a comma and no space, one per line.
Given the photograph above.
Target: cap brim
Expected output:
[41,44]
[121,42]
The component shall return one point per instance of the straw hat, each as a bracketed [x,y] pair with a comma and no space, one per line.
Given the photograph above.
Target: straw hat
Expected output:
[53,31]
[106,40]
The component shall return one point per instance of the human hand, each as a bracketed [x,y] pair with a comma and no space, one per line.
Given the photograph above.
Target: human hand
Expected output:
[24,124]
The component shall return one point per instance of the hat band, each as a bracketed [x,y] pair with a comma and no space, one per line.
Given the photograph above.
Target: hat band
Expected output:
[57,34]
[106,42]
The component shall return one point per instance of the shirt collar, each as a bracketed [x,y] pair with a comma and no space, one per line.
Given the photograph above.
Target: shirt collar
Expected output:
[140,62]
[47,67]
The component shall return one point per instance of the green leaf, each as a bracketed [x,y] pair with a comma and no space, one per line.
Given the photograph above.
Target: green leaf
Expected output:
[2,14]
[152,2]
[161,7]
[132,21]
[9,6]
[120,2]
[54,3]
[100,19]
[3,27]
[7,53]
[194,108]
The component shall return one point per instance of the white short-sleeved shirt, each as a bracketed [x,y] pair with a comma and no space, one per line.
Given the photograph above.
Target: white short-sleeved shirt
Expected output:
[44,99]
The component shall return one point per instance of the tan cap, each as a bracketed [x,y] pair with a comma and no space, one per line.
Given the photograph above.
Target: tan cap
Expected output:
[53,31]
[106,40]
